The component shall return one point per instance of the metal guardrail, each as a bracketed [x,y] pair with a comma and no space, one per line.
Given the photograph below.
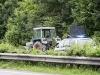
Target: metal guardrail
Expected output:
[50,58]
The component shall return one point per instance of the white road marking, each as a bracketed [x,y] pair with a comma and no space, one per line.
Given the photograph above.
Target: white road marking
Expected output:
[15,72]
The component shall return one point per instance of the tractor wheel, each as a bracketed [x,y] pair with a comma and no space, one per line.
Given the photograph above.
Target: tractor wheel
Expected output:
[44,48]
[37,46]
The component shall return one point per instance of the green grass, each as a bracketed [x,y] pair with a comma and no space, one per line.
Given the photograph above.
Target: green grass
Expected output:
[49,68]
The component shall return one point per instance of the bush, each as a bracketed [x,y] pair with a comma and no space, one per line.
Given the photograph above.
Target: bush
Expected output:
[96,37]
[12,37]
[5,47]
[76,50]
[17,37]
[84,50]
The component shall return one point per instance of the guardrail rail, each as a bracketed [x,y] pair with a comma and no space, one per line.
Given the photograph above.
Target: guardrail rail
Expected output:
[50,58]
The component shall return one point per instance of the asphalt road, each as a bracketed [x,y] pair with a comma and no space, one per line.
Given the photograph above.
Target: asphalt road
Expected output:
[16,72]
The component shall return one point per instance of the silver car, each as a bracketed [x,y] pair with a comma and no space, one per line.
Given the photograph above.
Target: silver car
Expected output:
[68,41]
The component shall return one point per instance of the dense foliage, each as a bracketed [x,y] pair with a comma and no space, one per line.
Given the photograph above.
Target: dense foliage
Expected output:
[74,50]
[87,14]
[18,17]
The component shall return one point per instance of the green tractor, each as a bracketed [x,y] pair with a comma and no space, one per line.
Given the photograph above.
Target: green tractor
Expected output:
[43,38]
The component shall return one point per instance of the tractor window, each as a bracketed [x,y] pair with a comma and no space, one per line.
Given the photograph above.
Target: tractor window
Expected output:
[53,33]
[37,34]
[46,33]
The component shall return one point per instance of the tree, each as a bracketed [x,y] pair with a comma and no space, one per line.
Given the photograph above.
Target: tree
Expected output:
[6,10]
[55,13]
[19,25]
[86,13]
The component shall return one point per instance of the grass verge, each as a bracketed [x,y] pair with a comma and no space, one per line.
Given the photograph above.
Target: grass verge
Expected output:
[64,69]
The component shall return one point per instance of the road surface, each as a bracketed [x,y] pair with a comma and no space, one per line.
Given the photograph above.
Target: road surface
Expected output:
[16,72]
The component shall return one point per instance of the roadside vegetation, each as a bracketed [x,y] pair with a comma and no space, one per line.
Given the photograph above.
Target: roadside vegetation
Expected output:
[75,50]
[64,69]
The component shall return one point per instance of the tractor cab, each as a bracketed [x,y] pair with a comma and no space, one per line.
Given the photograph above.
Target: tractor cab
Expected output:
[42,33]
